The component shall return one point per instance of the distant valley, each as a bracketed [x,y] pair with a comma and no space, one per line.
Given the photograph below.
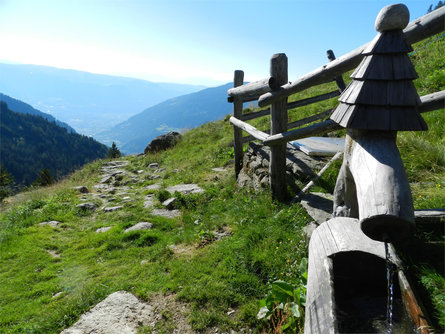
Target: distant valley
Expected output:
[176,114]
[90,103]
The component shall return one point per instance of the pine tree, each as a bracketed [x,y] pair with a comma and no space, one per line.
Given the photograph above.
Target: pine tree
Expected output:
[45,178]
[114,152]
[6,181]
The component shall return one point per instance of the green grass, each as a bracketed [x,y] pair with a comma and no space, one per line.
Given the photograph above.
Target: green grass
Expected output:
[265,242]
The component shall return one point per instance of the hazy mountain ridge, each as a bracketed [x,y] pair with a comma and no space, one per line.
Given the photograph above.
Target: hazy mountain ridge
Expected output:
[24,108]
[179,113]
[88,102]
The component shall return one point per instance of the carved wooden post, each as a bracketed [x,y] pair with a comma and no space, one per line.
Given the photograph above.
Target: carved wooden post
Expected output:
[278,120]
[238,133]
[381,100]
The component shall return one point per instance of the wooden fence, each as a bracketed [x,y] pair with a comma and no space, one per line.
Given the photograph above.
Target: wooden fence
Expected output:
[275,90]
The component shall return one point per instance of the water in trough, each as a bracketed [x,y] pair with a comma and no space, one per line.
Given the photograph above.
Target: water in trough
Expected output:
[363,304]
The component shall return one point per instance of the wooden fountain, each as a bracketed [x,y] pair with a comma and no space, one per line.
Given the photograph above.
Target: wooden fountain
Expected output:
[347,285]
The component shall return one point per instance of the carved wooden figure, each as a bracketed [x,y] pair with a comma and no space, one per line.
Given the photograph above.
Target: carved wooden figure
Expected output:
[381,100]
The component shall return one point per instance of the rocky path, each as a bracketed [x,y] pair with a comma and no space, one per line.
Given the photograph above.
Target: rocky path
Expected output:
[122,312]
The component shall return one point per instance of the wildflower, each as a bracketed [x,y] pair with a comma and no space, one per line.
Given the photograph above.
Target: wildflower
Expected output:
[276,247]
[420,196]
[288,261]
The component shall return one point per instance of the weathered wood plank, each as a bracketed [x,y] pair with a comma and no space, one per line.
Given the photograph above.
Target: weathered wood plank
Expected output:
[412,306]
[251,90]
[432,101]
[278,124]
[315,129]
[257,134]
[427,25]
[292,105]
[295,124]
[237,133]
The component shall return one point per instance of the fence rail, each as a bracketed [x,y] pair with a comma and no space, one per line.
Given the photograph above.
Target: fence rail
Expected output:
[275,89]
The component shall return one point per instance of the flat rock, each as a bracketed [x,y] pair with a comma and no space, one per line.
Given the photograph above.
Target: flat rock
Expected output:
[166,213]
[319,146]
[155,186]
[219,169]
[140,226]
[52,223]
[113,208]
[319,206]
[189,188]
[104,229]
[119,313]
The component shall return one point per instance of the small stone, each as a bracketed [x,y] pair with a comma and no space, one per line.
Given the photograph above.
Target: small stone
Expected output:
[52,223]
[57,294]
[140,226]
[144,262]
[113,208]
[106,179]
[169,203]
[140,171]
[104,229]
[392,17]
[154,177]
[82,189]
[219,169]
[87,206]
[153,165]
[149,201]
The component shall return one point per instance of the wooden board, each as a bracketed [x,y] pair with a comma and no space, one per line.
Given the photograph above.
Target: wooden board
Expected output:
[319,146]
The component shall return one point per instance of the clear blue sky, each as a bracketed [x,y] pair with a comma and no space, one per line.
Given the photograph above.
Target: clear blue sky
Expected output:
[187,41]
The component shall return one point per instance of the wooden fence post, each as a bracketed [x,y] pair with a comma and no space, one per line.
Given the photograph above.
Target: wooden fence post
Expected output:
[278,123]
[339,80]
[238,133]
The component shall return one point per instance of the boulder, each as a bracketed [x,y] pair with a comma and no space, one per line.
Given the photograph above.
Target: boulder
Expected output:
[163,142]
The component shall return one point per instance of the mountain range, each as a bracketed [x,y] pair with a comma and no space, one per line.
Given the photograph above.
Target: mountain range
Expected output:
[90,103]
[176,114]
[24,108]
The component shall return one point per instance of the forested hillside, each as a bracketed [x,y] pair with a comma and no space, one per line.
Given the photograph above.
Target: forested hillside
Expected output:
[31,143]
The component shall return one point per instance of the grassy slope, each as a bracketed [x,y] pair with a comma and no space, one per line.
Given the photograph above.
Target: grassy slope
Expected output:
[233,273]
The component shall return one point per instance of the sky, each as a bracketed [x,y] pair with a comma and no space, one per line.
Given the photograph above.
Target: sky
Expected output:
[186,41]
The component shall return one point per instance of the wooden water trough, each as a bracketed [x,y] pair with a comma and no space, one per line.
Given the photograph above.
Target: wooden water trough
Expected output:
[347,286]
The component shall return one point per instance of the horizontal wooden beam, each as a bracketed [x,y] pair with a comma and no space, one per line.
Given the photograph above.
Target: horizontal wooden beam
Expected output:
[292,105]
[432,101]
[250,91]
[318,128]
[425,26]
[295,124]
[257,134]
[314,99]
